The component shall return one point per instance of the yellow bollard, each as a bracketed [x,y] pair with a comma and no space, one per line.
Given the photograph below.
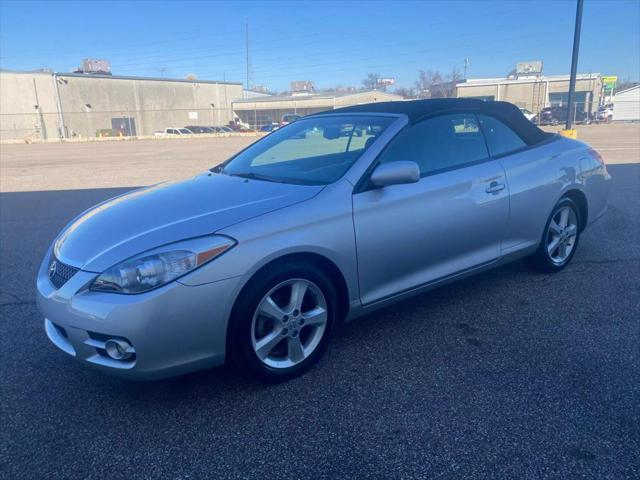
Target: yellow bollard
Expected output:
[573,134]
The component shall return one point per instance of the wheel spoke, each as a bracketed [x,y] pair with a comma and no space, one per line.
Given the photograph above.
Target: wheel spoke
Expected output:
[268,343]
[298,291]
[562,250]
[315,317]
[270,309]
[295,352]
[553,246]
[564,217]
[572,230]
[554,227]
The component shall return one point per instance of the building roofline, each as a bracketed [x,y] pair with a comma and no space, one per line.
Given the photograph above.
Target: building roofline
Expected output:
[626,90]
[27,72]
[531,79]
[311,97]
[120,77]
[153,79]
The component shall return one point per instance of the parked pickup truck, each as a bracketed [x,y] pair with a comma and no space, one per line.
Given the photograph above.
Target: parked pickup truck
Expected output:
[168,132]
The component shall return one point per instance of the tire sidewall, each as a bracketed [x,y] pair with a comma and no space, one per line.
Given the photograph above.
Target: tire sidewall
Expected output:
[239,342]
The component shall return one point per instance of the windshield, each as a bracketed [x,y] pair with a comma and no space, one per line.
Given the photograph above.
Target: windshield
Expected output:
[184,131]
[311,151]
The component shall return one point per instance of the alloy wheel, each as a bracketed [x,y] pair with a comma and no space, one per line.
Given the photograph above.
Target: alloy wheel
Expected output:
[562,234]
[289,323]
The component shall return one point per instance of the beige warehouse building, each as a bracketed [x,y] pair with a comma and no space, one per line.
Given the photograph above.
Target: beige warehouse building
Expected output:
[45,105]
[266,110]
[536,92]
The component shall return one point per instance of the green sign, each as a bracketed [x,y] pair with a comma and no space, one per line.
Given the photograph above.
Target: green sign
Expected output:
[610,82]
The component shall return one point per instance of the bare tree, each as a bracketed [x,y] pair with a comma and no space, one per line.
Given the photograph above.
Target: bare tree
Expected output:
[405,92]
[624,85]
[432,84]
[427,80]
[371,81]
[455,76]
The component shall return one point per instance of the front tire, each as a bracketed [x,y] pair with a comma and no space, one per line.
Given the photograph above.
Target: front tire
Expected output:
[282,321]
[560,238]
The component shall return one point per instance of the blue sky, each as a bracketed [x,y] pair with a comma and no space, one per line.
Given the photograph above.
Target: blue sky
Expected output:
[330,43]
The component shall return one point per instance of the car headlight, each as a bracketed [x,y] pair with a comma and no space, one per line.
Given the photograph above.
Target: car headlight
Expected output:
[158,267]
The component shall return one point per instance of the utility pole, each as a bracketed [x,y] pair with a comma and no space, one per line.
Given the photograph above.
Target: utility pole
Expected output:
[247,41]
[466,66]
[574,66]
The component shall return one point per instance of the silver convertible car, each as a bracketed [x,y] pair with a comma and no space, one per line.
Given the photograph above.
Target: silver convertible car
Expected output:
[324,220]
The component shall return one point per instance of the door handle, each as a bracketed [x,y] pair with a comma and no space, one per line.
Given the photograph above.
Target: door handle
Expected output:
[495,187]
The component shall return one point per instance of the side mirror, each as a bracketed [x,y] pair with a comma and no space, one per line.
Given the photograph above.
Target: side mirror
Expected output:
[395,173]
[331,132]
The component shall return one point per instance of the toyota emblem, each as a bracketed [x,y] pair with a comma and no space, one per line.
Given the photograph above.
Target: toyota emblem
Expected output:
[52,268]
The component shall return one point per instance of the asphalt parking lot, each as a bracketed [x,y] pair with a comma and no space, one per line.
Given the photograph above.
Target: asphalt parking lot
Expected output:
[509,374]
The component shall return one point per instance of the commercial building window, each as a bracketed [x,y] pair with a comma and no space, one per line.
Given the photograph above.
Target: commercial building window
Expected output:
[484,98]
[561,99]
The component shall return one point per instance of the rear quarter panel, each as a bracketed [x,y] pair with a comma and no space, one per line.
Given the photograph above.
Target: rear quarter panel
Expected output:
[597,183]
[538,177]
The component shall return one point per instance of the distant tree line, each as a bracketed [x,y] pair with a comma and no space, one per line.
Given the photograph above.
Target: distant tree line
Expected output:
[625,85]
[430,84]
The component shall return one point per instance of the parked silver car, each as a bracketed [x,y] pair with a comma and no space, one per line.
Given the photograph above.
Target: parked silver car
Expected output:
[258,259]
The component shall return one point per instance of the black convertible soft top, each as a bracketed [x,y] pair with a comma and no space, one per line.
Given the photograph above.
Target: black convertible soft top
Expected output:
[417,109]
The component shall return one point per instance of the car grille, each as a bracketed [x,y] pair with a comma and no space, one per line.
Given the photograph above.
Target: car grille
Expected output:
[60,273]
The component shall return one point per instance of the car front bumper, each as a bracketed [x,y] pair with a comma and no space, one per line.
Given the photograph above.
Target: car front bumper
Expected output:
[173,330]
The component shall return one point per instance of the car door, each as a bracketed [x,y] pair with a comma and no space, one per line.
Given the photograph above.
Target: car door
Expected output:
[451,220]
[532,178]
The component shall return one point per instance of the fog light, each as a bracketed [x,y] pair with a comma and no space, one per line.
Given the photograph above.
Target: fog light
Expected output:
[118,349]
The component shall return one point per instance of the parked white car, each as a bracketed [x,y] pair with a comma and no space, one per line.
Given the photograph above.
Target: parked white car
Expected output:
[605,113]
[172,131]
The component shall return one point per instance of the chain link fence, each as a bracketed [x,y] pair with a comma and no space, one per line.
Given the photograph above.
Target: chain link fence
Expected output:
[91,124]
[96,124]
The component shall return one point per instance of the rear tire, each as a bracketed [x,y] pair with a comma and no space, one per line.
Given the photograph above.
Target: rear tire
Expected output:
[282,321]
[560,238]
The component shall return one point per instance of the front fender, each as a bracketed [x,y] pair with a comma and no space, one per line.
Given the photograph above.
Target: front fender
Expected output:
[322,225]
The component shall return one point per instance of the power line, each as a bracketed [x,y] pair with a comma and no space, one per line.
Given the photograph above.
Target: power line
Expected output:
[133,46]
[387,65]
[349,53]
[277,44]
[313,61]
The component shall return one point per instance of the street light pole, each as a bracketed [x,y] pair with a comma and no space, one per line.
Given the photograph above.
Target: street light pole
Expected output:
[574,66]
[246,26]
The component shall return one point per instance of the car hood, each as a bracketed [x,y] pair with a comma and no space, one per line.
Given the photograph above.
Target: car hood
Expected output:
[154,216]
